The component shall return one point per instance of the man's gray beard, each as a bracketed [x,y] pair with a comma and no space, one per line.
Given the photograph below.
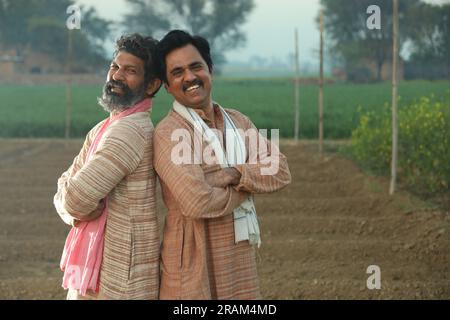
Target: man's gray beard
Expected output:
[112,103]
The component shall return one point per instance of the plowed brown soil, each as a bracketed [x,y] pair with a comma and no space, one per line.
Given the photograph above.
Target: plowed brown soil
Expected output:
[319,235]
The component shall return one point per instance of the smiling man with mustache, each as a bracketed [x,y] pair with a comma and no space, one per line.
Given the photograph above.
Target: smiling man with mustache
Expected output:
[211,227]
[108,194]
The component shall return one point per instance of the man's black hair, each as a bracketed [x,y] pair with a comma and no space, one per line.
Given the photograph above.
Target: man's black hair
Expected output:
[144,48]
[177,39]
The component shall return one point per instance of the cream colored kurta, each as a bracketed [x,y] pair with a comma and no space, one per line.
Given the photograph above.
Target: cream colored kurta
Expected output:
[122,169]
[199,257]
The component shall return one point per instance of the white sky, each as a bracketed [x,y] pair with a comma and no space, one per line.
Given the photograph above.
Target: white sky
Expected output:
[269,27]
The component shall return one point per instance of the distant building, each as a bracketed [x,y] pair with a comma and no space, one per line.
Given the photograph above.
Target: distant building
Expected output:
[366,71]
[339,74]
[8,63]
[29,63]
[386,69]
[40,68]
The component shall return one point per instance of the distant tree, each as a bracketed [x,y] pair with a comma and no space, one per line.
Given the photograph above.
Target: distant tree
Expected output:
[14,17]
[95,29]
[40,26]
[346,27]
[218,21]
[424,27]
[429,31]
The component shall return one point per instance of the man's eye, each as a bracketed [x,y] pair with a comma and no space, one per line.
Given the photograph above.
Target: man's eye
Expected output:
[113,66]
[131,71]
[177,73]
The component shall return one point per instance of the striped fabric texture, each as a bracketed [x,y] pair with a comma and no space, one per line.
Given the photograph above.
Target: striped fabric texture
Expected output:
[122,169]
[199,257]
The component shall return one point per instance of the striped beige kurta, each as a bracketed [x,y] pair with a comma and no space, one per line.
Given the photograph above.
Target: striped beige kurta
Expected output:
[122,169]
[199,257]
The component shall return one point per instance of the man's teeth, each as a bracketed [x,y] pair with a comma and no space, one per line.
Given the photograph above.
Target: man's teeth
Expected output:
[193,87]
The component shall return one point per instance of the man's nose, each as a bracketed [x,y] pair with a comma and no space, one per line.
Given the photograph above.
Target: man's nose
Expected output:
[189,75]
[118,75]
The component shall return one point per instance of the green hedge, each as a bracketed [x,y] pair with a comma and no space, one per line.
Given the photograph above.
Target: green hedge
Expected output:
[424,148]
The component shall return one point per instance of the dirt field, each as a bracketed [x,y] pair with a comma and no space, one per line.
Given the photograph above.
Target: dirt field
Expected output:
[319,235]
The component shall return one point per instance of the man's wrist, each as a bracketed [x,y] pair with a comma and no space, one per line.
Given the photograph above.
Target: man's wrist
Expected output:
[235,176]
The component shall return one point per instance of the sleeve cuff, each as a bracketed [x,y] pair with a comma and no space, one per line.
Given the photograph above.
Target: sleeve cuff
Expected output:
[243,182]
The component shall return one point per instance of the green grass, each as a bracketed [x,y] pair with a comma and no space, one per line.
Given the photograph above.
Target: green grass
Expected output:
[39,111]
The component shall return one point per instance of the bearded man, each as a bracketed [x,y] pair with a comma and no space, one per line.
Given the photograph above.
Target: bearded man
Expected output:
[108,194]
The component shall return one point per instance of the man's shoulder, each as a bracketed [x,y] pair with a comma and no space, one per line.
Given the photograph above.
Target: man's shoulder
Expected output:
[98,125]
[131,127]
[137,121]
[96,128]
[171,121]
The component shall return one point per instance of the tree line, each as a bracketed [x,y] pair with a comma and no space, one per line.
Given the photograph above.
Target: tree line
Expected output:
[424,37]
[40,26]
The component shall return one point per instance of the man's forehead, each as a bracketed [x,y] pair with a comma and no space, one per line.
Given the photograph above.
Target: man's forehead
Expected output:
[184,56]
[128,59]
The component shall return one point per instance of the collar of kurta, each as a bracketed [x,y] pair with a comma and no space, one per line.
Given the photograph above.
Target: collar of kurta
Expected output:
[218,117]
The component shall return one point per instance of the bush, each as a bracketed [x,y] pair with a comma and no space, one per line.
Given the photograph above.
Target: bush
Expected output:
[424,149]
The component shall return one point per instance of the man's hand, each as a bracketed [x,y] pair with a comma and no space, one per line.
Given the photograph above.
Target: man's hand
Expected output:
[233,175]
[223,178]
[92,216]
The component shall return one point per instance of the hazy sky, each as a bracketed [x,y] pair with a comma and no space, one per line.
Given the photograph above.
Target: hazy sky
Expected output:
[269,27]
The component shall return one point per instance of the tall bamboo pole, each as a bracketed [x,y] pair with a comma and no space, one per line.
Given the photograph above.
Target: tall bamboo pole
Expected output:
[69,86]
[394,100]
[321,86]
[297,94]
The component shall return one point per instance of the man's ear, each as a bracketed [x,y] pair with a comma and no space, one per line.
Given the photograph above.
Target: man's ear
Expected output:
[153,87]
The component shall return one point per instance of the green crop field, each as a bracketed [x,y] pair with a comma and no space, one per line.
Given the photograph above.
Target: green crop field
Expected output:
[39,111]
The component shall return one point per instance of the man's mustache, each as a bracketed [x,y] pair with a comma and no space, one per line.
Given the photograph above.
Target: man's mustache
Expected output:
[115,84]
[192,83]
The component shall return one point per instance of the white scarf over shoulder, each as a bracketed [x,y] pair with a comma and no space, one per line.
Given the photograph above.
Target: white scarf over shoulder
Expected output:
[245,221]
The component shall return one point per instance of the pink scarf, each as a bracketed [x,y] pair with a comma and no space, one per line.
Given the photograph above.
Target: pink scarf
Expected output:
[83,251]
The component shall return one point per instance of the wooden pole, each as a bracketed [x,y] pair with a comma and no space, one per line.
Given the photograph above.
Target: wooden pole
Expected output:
[69,86]
[296,86]
[321,86]
[394,100]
